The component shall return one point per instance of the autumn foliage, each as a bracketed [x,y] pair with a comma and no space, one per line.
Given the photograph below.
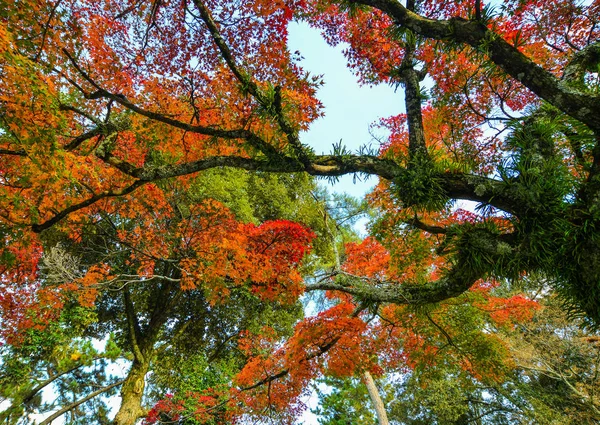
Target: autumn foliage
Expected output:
[156,195]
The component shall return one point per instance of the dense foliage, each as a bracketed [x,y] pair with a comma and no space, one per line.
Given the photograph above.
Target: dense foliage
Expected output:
[553,379]
[159,217]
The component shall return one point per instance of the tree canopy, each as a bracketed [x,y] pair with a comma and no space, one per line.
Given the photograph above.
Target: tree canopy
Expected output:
[159,213]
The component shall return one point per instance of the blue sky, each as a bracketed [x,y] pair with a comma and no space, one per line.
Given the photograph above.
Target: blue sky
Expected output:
[349,108]
[349,111]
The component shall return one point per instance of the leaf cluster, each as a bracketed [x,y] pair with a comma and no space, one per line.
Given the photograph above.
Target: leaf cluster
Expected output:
[419,187]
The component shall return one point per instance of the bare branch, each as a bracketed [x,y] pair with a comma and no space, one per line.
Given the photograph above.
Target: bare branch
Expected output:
[73,405]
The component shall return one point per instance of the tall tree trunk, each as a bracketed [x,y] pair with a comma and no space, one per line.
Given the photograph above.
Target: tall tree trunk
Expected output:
[375,398]
[131,395]
[142,346]
[367,378]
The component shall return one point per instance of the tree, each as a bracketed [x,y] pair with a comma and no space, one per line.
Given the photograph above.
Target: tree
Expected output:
[161,321]
[112,111]
[553,380]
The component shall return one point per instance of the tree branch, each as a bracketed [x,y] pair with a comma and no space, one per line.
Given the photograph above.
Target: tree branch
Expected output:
[106,129]
[417,146]
[31,393]
[18,152]
[274,106]
[73,405]
[322,350]
[582,61]
[39,227]
[455,185]
[478,251]
[133,326]
[580,106]
[436,230]
[123,101]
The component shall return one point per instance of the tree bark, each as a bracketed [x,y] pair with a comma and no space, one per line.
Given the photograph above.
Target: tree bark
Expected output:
[142,345]
[375,398]
[417,147]
[509,58]
[132,392]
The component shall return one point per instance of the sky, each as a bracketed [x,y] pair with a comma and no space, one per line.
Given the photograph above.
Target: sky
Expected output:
[349,108]
[349,111]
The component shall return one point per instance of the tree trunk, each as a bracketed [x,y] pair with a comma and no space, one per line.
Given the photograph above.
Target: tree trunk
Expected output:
[375,398]
[131,395]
